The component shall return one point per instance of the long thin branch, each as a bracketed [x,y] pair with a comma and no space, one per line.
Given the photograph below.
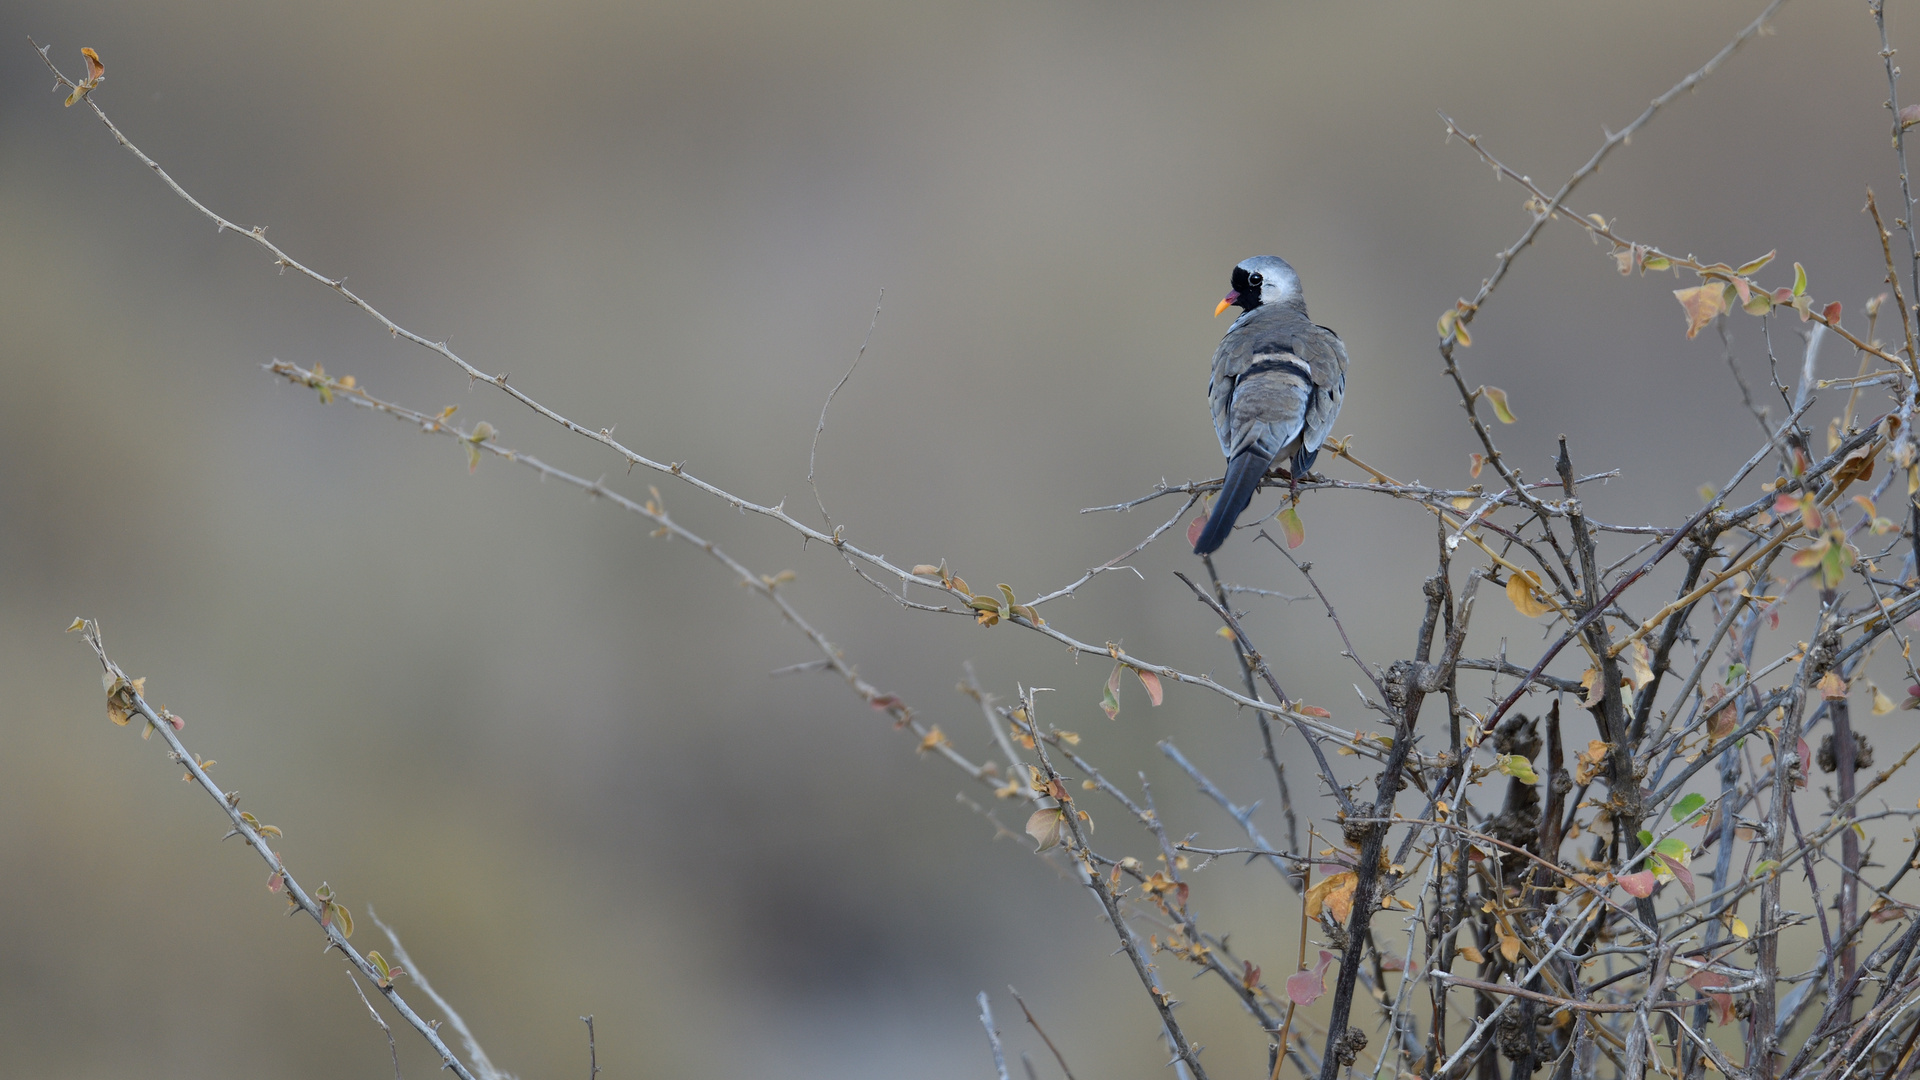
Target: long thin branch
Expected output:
[323,911]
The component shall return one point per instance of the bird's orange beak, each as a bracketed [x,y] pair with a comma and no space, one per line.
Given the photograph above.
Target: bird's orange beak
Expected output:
[1225,304]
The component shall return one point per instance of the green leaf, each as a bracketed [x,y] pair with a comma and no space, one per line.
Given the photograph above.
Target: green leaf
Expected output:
[1734,671]
[1498,399]
[1657,262]
[1644,837]
[1517,767]
[1689,806]
[1765,865]
[1110,703]
[1756,264]
[1289,520]
[379,964]
[1799,280]
[1673,848]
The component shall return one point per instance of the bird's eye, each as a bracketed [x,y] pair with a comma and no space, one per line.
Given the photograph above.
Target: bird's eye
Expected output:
[1253,279]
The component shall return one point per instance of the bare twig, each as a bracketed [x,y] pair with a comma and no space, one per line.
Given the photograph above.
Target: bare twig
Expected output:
[392,1047]
[993,1037]
[814,446]
[593,1055]
[1057,1056]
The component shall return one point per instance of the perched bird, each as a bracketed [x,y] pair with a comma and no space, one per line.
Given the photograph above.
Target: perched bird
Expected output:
[1278,380]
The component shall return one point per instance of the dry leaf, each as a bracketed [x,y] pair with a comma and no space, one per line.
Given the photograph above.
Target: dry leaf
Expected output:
[1523,588]
[1640,665]
[1882,704]
[1702,303]
[1832,687]
[1333,892]
[1048,827]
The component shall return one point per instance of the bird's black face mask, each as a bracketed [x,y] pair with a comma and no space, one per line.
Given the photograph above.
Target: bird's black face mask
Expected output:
[1246,291]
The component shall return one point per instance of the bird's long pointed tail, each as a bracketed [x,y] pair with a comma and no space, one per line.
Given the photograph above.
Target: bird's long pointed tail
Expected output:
[1243,479]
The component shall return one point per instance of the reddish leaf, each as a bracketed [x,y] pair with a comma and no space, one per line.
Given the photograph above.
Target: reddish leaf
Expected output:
[1832,313]
[1680,873]
[1250,978]
[1194,530]
[1152,682]
[1304,988]
[1640,884]
[273,881]
[1707,982]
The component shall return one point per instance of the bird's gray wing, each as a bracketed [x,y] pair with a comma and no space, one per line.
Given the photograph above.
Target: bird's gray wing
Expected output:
[1327,360]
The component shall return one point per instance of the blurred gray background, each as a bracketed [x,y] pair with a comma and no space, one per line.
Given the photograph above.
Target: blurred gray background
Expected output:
[546,747]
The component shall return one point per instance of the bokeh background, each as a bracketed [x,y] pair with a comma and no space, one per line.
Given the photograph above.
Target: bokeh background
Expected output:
[546,747]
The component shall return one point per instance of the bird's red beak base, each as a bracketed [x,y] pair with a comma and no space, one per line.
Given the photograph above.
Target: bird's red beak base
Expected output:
[1225,304]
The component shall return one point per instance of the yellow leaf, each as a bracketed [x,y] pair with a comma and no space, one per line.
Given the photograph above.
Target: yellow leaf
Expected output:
[1739,928]
[1471,953]
[1523,588]
[1225,632]
[1882,704]
[1509,947]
